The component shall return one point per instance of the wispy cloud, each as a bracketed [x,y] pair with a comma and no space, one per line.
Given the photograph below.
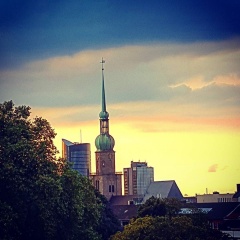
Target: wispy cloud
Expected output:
[160,72]
[213,168]
[173,86]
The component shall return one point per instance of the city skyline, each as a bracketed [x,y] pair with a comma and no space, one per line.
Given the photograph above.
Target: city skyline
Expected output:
[172,81]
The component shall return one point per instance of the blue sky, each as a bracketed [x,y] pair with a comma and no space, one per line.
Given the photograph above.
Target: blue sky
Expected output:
[172,80]
[40,29]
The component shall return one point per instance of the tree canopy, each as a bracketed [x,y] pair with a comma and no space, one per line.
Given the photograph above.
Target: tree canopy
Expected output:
[160,219]
[158,228]
[41,197]
[159,207]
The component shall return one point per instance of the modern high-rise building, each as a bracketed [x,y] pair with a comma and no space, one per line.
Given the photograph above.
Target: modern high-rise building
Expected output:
[137,178]
[79,154]
[106,179]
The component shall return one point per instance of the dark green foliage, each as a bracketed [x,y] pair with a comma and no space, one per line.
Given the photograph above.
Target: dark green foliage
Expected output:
[160,228]
[41,197]
[152,207]
[108,224]
[159,207]
[159,219]
[198,217]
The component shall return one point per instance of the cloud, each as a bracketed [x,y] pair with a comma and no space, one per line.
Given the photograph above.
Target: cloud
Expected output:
[192,82]
[34,31]
[213,168]
[198,82]
[67,115]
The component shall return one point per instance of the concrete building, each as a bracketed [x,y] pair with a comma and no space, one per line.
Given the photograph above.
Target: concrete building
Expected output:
[106,179]
[79,154]
[215,197]
[219,197]
[137,178]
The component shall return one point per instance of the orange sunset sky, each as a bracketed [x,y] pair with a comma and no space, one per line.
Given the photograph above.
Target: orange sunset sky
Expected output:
[190,132]
[172,81]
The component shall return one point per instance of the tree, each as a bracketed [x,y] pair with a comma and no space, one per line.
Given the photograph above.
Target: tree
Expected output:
[41,196]
[160,219]
[198,217]
[79,210]
[160,228]
[173,206]
[108,224]
[152,207]
[160,207]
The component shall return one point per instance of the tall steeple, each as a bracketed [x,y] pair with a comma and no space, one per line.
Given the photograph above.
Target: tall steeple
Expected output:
[106,180]
[104,141]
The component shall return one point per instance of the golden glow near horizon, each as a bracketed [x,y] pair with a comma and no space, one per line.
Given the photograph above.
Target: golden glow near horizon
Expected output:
[197,154]
[175,106]
[196,160]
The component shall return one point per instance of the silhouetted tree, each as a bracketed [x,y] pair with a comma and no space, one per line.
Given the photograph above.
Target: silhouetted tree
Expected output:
[108,223]
[160,207]
[41,197]
[160,228]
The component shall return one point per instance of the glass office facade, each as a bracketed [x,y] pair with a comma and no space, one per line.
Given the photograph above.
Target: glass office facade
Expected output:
[137,178]
[79,154]
[144,178]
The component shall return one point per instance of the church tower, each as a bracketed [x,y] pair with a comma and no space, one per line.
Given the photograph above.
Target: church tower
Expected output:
[106,180]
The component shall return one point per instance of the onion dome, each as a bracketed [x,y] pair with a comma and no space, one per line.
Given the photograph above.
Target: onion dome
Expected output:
[103,115]
[104,142]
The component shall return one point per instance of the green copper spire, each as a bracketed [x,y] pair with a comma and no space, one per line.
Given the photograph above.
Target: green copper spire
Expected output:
[103,94]
[103,114]
[104,141]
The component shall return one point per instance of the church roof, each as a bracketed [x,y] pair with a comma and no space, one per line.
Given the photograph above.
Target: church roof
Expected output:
[236,195]
[123,199]
[215,210]
[163,189]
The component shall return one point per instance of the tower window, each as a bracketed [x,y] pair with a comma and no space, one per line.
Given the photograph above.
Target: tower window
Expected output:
[97,184]
[110,189]
[104,126]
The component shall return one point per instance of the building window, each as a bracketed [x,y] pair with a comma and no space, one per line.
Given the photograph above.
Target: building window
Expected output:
[97,184]
[110,189]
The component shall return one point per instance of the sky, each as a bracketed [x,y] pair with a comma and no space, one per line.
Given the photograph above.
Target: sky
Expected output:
[172,80]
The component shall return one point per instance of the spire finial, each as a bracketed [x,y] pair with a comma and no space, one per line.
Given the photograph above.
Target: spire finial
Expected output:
[102,62]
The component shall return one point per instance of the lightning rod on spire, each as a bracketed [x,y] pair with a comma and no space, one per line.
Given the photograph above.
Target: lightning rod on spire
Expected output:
[102,62]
